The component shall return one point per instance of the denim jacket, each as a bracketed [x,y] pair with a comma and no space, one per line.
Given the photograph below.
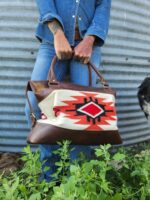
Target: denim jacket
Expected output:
[93,18]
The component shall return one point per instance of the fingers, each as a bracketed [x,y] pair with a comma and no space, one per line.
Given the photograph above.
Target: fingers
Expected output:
[82,58]
[64,54]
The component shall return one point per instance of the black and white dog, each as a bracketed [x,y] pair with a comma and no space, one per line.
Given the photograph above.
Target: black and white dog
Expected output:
[144,97]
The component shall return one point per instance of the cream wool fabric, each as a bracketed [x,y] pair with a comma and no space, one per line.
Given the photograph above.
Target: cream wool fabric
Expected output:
[63,98]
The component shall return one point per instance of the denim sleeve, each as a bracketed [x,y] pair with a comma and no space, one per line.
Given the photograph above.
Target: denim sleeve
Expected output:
[48,11]
[100,23]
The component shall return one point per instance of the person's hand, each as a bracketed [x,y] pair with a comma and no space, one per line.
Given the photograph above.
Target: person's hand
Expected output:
[83,50]
[62,46]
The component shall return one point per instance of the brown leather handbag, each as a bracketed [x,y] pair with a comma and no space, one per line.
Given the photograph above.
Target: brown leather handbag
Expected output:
[83,114]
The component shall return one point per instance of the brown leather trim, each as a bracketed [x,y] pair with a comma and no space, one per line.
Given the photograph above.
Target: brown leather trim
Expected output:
[49,134]
[43,84]
[41,88]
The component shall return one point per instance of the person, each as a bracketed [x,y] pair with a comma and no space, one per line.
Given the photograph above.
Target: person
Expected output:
[75,31]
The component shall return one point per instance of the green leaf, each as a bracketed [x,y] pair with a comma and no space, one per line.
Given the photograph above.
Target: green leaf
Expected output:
[143,197]
[119,157]
[15,184]
[36,196]
[99,152]
[46,168]
[73,169]
[23,188]
[117,196]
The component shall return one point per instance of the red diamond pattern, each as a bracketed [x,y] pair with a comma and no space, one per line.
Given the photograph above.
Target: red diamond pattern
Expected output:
[91,109]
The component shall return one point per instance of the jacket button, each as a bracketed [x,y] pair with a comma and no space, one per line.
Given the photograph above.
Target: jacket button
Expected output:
[73,16]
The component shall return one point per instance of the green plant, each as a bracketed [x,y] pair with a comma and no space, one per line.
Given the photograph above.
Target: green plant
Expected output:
[89,179]
[108,176]
[24,184]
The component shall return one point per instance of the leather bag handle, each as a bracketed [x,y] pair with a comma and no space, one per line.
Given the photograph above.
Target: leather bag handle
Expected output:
[52,78]
[51,75]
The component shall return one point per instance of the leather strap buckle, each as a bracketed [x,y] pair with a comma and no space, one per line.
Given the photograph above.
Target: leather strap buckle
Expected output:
[33,119]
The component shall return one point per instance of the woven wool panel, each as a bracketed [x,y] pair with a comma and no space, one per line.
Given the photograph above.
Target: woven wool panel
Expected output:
[79,110]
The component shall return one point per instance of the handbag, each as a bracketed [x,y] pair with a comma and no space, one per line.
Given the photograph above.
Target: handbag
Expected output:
[83,114]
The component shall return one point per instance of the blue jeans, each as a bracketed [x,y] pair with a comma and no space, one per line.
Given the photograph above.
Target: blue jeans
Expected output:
[78,75]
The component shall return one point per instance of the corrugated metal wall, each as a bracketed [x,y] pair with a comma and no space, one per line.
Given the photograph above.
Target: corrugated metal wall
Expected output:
[18,49]
[125,63]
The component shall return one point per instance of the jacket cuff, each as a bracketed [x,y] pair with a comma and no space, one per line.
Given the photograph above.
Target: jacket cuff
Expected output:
[99,33]
[50,17]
